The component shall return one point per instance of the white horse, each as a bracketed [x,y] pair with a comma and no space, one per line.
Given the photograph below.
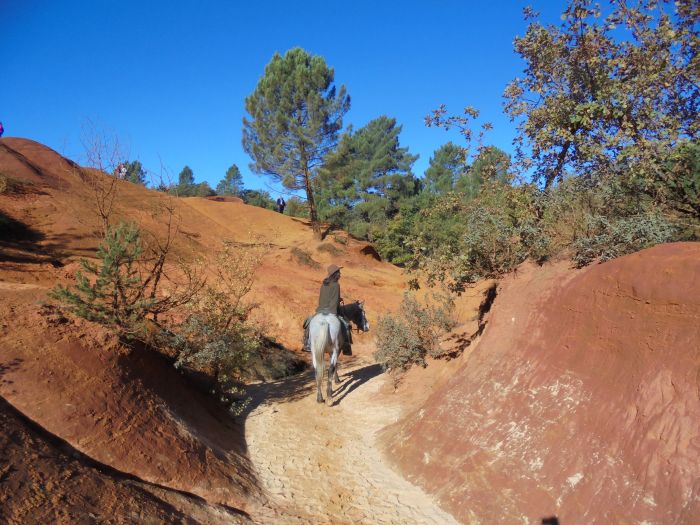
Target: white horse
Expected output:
[326,335]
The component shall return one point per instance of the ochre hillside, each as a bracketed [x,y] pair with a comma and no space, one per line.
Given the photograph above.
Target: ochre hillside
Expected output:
[129,410]
[575,396]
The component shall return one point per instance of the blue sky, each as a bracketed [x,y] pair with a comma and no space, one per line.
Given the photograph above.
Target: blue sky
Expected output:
[169,78]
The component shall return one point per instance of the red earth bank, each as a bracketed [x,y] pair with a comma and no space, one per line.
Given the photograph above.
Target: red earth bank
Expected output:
[580,401]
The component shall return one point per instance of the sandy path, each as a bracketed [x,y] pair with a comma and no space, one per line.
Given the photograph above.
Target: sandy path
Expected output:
[321,465]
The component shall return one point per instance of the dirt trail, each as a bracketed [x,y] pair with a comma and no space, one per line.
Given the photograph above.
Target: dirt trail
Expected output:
[322,465]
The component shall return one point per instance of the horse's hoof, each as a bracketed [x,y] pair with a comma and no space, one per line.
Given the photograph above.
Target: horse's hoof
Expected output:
[319,400]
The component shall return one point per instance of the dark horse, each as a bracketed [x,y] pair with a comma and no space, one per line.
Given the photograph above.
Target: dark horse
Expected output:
[325,336]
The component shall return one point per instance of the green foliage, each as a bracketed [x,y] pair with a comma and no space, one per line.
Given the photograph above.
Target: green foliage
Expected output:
[232,183]
[447,165]
[121,290]
[490,164]
[677,182]
[259,198]
[296,208]
[607,239]
[405,339]
[203,190]
[112,293]
[186,177]
[295,116]
[187,187]
[598,87]
[135,173]
[362,184]
[217,338]
[461,241]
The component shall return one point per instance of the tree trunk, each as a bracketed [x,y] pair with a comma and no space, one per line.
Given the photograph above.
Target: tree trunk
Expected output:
[315,226]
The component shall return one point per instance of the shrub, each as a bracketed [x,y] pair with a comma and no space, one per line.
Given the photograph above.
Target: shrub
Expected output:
[611,238]
[340,239]
[217,339]
[462,241]
[304,257]
[329,248]
[405,339]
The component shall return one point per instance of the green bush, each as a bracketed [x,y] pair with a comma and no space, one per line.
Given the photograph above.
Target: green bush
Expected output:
[405,339]
[122,290]
[461,241]
[611,238]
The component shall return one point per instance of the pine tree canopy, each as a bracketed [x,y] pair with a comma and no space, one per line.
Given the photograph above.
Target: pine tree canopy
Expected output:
[232,183]
[296,114]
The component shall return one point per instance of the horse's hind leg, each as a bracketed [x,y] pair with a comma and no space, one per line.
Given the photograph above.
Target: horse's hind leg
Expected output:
[318,369]
[319,379]
[329,387]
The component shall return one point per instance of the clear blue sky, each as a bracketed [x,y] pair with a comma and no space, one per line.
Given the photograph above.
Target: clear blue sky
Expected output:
[169,78]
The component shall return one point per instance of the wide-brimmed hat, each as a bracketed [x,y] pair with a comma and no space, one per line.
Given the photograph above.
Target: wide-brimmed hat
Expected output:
[332,269]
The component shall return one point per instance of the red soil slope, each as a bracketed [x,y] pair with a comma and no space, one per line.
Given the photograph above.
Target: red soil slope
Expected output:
[128,410]
[45,480]
[580,401]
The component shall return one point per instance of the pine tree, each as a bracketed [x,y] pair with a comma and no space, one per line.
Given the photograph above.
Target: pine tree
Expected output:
[112,293]
[135,173]
[185,186]
[232,183]
[295,116]
[447,164]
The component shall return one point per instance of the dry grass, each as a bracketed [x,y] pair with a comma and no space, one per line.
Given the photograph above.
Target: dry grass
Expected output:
[304,258]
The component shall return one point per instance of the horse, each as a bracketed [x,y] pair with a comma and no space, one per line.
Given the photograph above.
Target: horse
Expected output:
[326,336]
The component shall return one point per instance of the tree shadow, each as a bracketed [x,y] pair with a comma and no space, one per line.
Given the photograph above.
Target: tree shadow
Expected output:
[21,244]
[355,379]
[552,520]
[285,390]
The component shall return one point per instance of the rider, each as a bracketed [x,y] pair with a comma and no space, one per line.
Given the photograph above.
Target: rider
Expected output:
[329,303]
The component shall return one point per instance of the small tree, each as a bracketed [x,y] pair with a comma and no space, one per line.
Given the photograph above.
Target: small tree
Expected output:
[135,173]
[232,183]
[295,116]
[185,183]
[121,291]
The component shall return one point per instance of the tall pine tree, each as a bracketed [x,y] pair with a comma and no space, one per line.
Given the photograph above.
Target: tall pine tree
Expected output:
[295,116]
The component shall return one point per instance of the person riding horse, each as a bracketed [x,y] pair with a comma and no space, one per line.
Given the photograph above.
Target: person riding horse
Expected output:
[329,303]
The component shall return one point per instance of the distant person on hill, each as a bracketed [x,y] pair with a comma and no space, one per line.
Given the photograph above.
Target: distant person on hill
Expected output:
[329,303]
[280,204]
[2,130]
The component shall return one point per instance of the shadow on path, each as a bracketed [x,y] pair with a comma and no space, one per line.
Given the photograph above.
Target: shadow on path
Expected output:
[302,385]
[355,379]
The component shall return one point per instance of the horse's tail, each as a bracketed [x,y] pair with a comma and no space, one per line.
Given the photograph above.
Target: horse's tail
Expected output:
[319,347]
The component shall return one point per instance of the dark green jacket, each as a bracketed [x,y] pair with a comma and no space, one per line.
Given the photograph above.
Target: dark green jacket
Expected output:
[329,298]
